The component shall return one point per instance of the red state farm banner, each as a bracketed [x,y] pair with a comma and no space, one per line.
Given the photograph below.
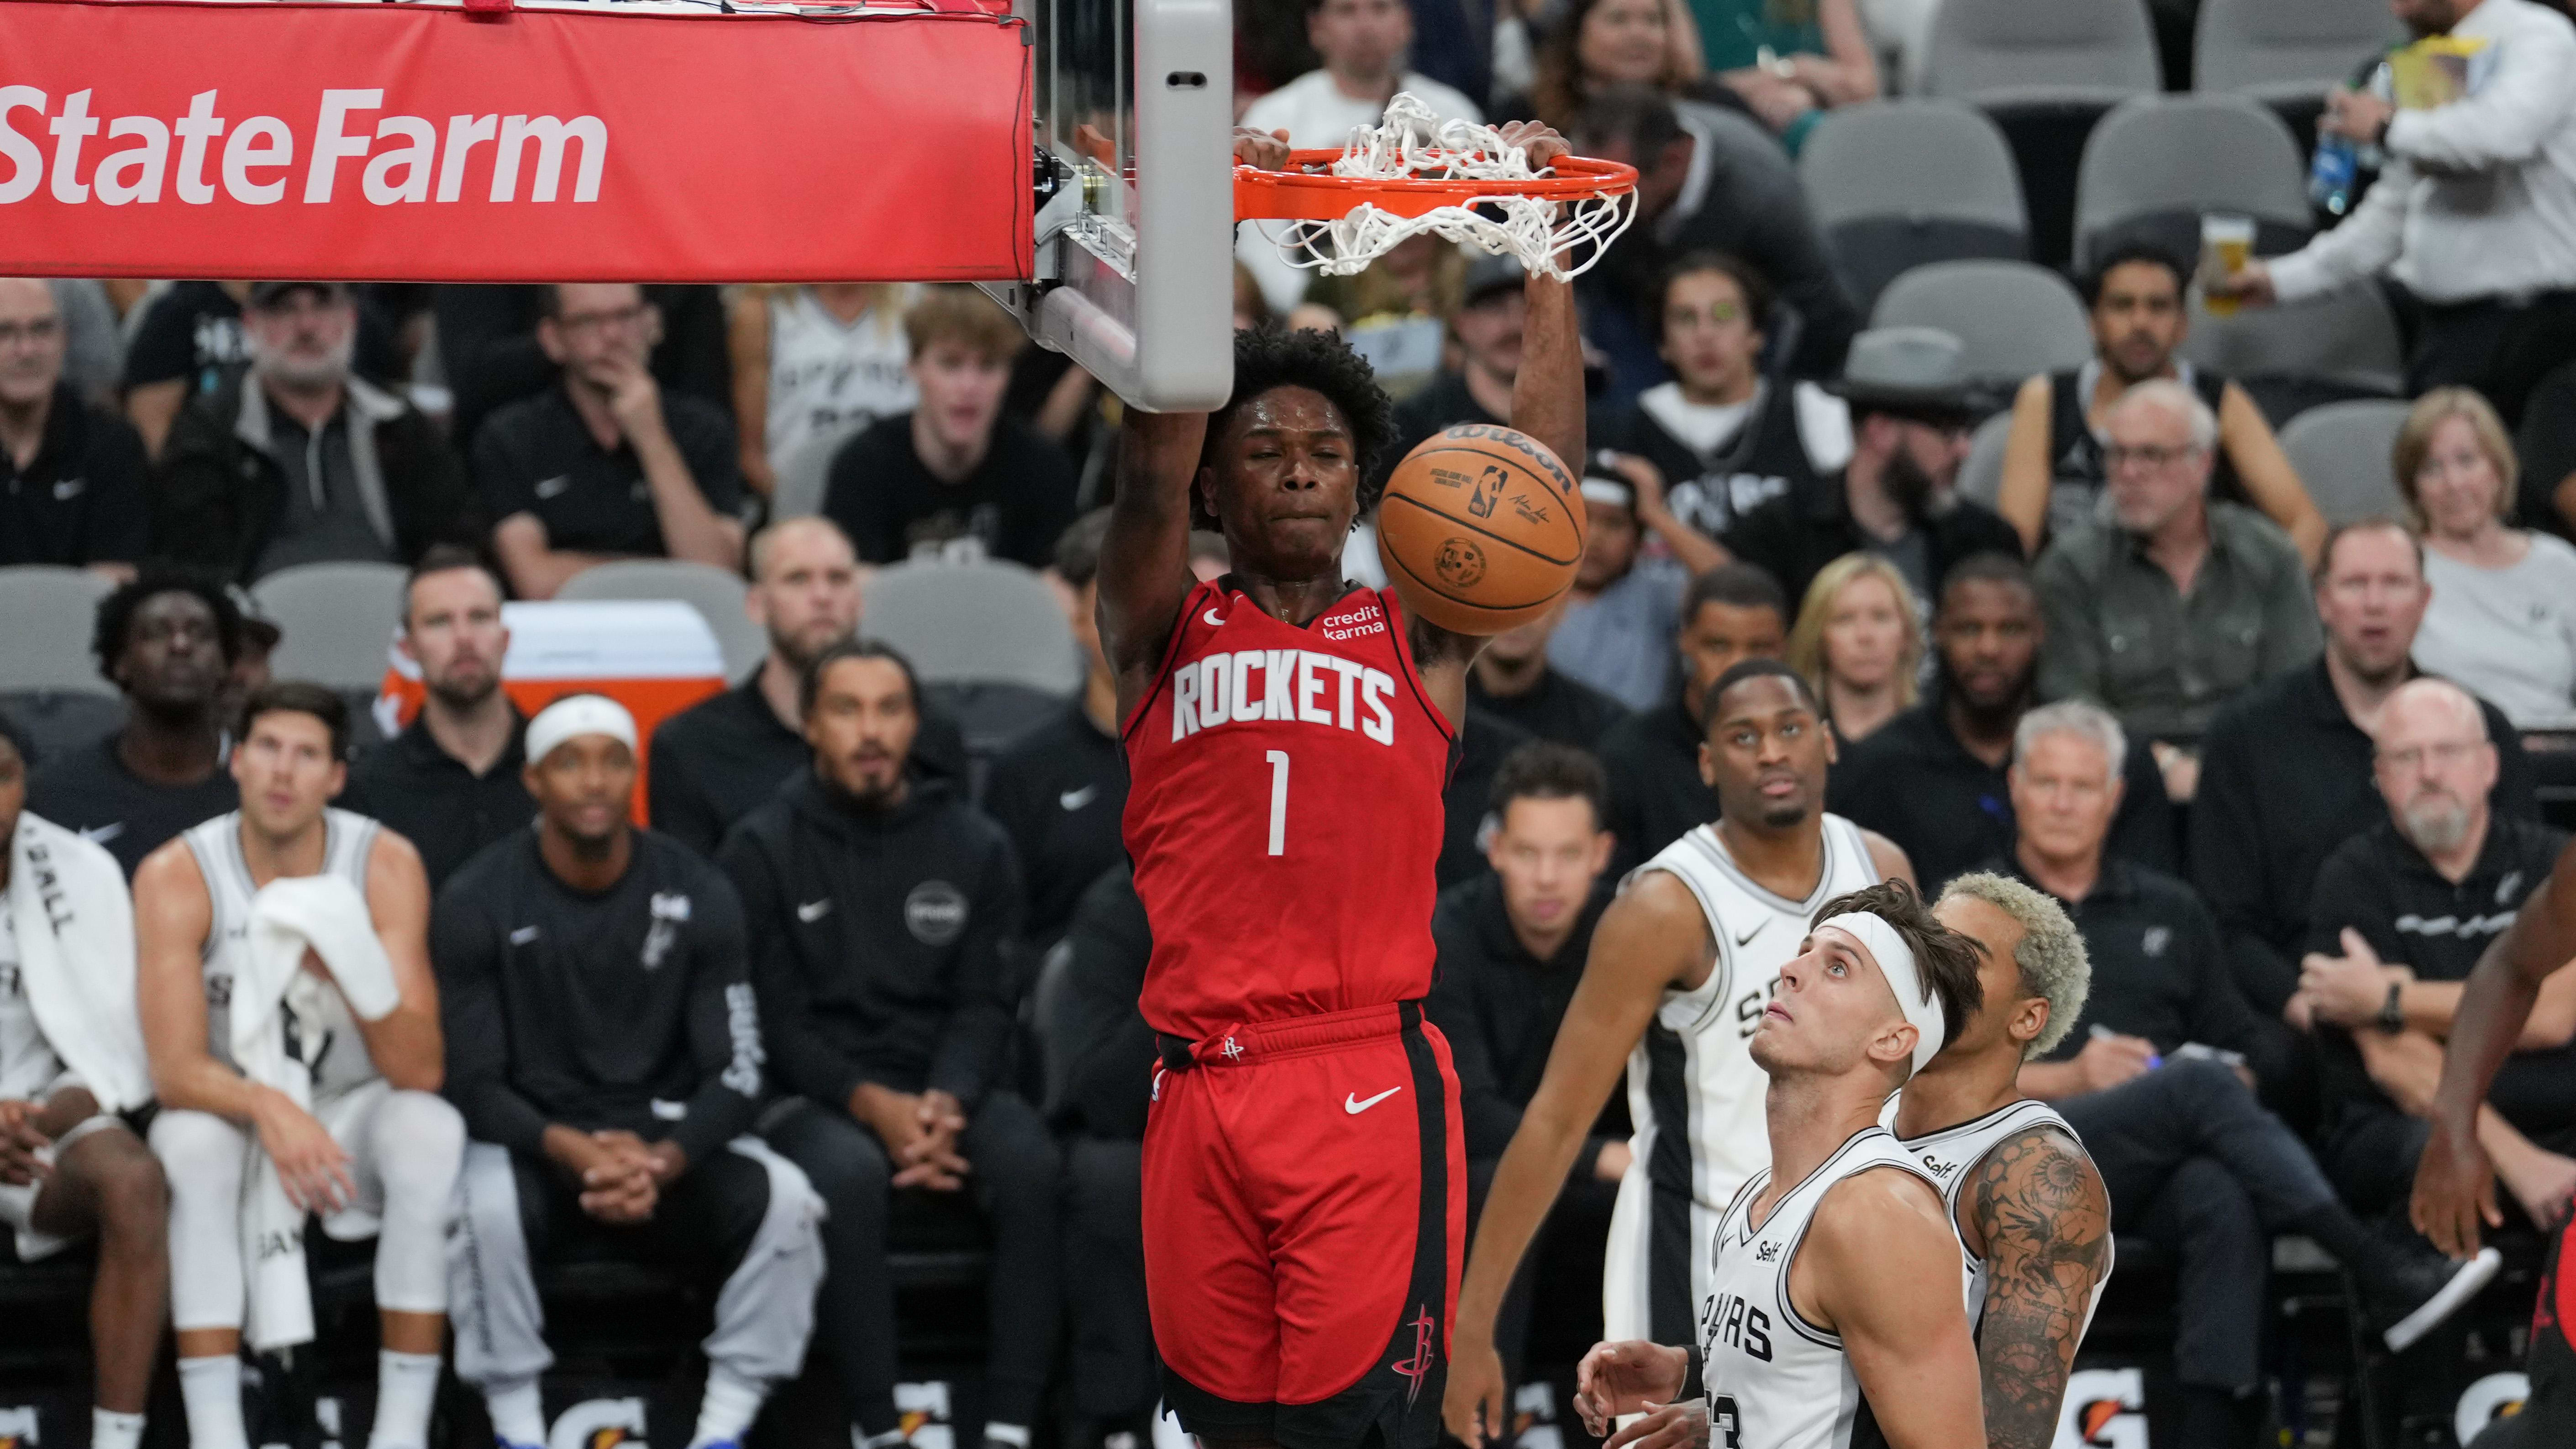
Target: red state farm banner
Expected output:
[417,142]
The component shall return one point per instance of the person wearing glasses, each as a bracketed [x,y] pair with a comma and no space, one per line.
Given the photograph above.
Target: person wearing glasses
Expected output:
[608,465]
[71,474]
[2173,603]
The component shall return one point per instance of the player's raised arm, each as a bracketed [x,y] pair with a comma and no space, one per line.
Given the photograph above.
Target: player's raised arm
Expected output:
[1547,393]
[1145,559]
[2044,1220]
[1910,1351]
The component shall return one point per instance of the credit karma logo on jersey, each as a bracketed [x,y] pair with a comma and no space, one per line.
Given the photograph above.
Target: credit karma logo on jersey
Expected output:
[1292,686]
[141,159]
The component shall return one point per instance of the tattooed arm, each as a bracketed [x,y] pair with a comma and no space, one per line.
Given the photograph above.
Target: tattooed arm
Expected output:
[2038,1213]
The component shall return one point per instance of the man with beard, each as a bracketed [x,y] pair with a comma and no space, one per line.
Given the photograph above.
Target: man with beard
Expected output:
[1910,418]
[450,783]
[167,641]
[1933,778]
[298,460]
[1515,682]
[2053,469]
[712,763]
[2174,603]
[880,905]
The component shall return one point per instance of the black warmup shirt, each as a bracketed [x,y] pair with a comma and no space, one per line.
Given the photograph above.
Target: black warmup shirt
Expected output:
[1797,534]
[2285,778]
[1557,708]
[714,762]
[193,331]
[1443,401]
[1016,503]
[1500,1007]
[1104,1084]
[1060,792]
[619,1009]
[91,791]
[878,939]
[2379,884]
[1656,794]
[80,499]
[1482,747]
[537,456]
[444,809]
[1913,782]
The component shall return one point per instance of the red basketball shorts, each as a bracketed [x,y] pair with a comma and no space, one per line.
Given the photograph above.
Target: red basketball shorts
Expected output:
[1305,1219]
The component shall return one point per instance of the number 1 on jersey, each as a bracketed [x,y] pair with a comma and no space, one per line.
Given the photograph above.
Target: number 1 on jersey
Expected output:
[1278,800]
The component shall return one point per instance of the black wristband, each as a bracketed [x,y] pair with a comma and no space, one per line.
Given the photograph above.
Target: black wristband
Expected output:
[2392,1012]
[1694,1383]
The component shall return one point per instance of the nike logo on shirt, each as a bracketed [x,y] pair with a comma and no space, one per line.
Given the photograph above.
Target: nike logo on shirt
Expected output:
[69,488]
[523,935]
[1353,1104]
[102,834]
[554,487]
[1075,799]
[1749,935]
[813,911]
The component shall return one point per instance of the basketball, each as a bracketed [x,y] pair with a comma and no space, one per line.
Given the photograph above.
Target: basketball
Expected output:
[1481,529]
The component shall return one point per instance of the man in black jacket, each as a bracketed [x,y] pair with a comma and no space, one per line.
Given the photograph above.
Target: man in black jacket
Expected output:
[1731,614]
[298,460]
[881,908]
[71,473]
[603,1044]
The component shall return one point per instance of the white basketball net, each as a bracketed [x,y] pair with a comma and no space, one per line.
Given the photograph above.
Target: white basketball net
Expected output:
[1556,238]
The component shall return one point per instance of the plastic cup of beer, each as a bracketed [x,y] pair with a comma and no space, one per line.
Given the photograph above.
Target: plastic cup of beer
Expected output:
[2226,245]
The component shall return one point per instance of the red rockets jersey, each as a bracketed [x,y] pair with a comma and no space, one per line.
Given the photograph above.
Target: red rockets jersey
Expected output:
[1284,813]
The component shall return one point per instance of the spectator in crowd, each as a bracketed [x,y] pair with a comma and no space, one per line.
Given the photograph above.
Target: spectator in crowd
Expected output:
[1789,63]
[78,1170]
[297,460]
[1858,643]
[1657,788]
[190,336]
[318,1064]
[2502,620]
[882,907]
[1397,311]
[250,670]
[1594,45]
[1707,181]
[1484,744]
[2193,1162]
[167,641]
[1615,632]
[814,362]
[2173,603]
[1486,327]
[713,762]
[1060,790]
[1910,420]
[2054,475]
[1934,779]
[1098,1052]
[1514,681]
[2547,444]
[2286,771]
[451,782]
[93,338]
[2474,212]
[1512,943]
[2400,914]
[491,340]
[71,473]
[604,1045]
[1726,438]
[955,476]
[606,464]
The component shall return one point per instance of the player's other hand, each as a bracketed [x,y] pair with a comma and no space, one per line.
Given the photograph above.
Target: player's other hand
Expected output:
[1538,141]
[1626,1378]
[1266,150]
[2454,1188]
[1673,1426]
[19,1142]
[1476,1406]
[310,1165]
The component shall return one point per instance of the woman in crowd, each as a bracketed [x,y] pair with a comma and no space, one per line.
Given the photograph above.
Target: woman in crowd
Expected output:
[1790,61]
[2503,617]
[1859,644]
[813,363]
[1597,43]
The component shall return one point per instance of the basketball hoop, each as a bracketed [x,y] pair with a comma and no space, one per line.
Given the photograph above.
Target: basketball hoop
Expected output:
[1352,206]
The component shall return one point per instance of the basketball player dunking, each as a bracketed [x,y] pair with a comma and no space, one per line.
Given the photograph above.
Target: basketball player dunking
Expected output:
[1682,965]
[1834,1317]
[1289,735]
[2454,1182]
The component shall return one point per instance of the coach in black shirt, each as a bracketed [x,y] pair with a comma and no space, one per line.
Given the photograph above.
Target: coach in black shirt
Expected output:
[71,475]
[1933,778]
[882,909]
[1657,793]
[607,465]
[1512,681]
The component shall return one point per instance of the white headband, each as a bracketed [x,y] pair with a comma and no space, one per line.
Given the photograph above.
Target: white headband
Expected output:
[1609,490]
[1896,962]
[579,714]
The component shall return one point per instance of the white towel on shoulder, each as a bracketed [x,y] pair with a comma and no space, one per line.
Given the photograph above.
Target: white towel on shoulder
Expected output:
[75,925]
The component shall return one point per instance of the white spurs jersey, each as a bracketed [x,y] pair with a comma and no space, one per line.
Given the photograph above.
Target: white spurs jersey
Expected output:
[827,376]
[1776,1381]
[1951,1156]
[1694,1094]
[321,1031]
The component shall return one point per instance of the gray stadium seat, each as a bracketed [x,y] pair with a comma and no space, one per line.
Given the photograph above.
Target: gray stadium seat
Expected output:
[2342,453]
[1896,184]
[974,623]
[336,621]
[50,614]
[804,474]
[2014,319]
[2156,164]
[715,593]
[2347,335]
[2286,51]
[1981,473]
